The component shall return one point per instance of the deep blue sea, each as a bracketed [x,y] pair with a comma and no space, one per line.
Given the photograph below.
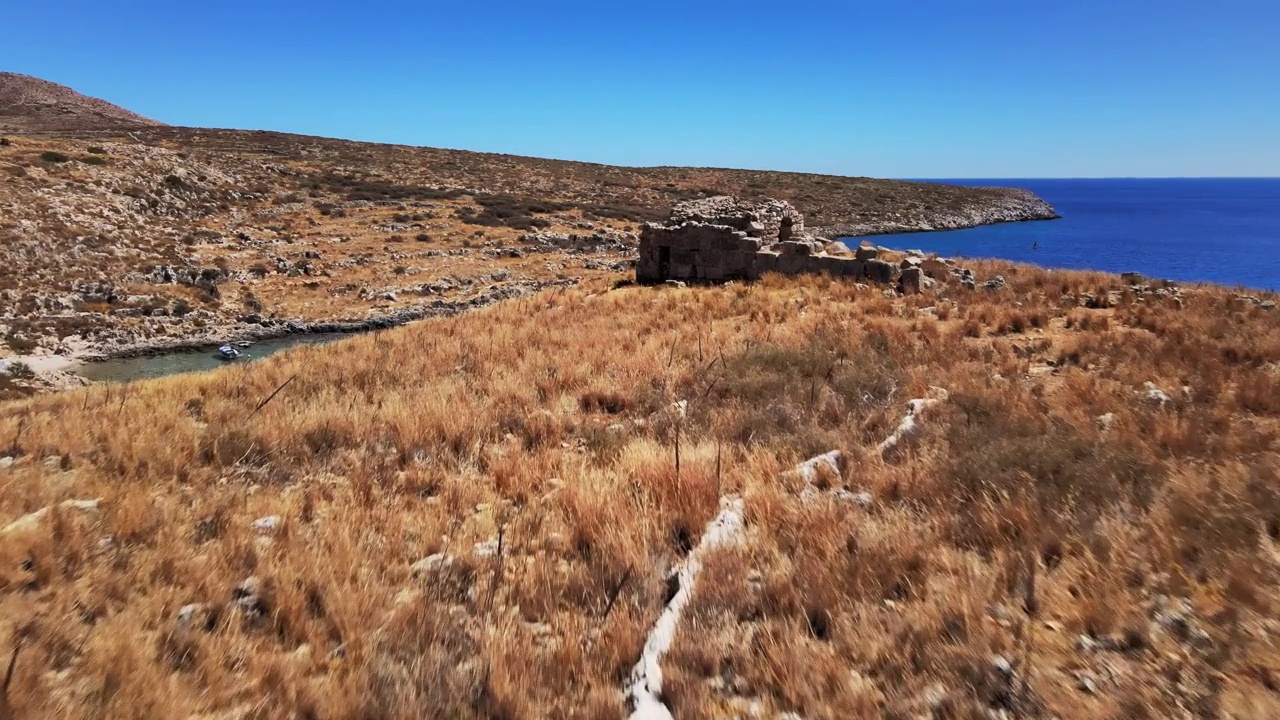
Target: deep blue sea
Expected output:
[1225,231]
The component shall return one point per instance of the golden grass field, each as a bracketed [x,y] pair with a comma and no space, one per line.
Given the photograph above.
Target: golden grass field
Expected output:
[1017,557]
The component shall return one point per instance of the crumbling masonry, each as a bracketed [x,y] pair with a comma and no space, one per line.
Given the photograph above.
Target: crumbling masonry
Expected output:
[725,238]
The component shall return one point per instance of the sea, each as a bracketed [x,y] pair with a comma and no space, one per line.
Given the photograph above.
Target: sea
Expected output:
[1220,230]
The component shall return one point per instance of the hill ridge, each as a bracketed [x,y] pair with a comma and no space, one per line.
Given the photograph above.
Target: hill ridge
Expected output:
[32,104]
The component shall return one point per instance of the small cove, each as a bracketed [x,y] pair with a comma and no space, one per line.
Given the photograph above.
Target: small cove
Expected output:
[126,369]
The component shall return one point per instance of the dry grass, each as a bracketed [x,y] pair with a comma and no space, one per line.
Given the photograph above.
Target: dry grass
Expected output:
[1015,550]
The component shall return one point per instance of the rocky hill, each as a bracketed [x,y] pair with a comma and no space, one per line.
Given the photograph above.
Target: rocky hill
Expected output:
[29,104]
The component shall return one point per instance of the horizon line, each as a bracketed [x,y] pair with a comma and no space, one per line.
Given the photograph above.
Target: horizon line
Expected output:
[1098,177]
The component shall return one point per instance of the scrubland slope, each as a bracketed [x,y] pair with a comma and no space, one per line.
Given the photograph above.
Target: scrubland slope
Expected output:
[476,516]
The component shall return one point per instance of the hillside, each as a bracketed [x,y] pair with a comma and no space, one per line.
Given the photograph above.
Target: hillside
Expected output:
[29,104]
[1055,499]
[120,236]
[113,243]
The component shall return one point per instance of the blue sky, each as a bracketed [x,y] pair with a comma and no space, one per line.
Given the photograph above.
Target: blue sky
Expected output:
[936,88]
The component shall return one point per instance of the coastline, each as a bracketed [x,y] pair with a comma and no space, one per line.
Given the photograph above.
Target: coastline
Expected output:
[1019,205]
[56,371]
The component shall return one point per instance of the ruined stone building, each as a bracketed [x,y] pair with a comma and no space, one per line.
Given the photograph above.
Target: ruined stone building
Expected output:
[725,238]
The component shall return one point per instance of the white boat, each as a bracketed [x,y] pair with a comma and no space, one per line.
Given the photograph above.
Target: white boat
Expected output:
[227,352]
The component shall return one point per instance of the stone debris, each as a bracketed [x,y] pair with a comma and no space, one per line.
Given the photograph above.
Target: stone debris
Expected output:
[485,549]
[32,520]
[430,564]
[196,615]
[1257,302]
[1086,644]
[599,242]
[247,595]
[935,696]
[911,280]
[1155,395]
[907,427]
[824,467]
[267,525]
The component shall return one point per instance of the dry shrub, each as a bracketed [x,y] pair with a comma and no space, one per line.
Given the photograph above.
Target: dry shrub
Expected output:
[999,450]
[1258,392]
[609,402]
[427,656]
[798,394]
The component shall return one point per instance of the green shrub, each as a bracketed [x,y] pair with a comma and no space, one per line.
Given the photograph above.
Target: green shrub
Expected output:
[96,150]
[94,160]
[499,210]
[19,369]
[4,142]
[53,156]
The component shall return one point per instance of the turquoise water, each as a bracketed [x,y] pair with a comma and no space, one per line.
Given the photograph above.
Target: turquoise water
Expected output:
[1218,230]
[152,366]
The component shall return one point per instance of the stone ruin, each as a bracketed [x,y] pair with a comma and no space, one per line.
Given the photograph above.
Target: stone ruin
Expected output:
[725,238]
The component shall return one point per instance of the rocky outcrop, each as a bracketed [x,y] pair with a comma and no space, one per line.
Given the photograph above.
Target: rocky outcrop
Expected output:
[1003,205]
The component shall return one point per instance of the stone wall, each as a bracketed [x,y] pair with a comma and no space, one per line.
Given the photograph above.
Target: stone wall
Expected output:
[724,238]
[764,218]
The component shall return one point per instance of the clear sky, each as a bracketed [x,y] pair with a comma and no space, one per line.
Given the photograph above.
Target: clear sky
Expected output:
[925,89]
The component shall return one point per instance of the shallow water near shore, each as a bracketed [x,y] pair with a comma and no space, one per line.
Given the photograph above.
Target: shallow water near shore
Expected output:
[153,366]
[1220,230]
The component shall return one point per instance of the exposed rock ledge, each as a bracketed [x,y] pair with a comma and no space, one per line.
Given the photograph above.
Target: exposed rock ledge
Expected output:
[1013,205]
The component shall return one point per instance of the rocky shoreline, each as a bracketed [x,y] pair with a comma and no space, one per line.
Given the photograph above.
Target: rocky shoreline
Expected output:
[57,371]
[1017,205]
[274,328]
